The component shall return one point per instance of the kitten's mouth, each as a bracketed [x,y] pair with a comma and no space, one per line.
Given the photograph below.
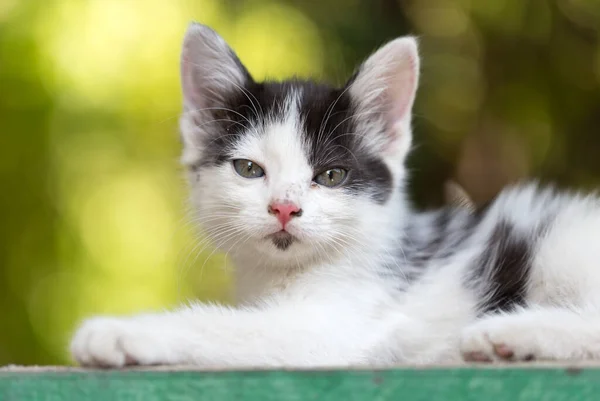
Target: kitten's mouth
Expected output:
[282,239]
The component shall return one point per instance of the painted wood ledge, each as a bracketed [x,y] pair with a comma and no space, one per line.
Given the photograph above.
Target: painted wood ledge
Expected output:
[548,382]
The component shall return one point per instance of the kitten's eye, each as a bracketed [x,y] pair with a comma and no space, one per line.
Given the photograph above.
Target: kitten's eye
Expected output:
[331,178]
[247,168]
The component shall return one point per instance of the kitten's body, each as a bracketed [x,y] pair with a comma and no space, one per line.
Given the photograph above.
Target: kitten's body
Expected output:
[355,276]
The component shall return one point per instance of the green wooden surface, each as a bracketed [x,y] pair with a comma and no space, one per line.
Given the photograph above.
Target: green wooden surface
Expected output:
[432,384]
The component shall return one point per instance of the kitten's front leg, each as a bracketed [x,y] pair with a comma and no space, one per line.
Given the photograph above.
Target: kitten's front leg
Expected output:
[142,340]
[282,335]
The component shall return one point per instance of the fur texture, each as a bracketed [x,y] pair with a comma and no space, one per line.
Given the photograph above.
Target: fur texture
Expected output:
[362,278]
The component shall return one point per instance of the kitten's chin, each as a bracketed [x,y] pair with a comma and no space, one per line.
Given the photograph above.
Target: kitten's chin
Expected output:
[283,248]
[282,240]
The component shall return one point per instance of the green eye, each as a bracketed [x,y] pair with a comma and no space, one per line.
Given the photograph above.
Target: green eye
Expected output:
[247,168]
[331,178]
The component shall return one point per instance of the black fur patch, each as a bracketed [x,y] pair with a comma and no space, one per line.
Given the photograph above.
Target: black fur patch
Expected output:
[505,265]
[328,116]
[282,240]
[329,128]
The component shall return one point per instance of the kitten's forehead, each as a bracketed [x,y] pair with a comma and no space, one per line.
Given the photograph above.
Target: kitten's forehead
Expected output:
[321,114]
[308,126]
[277,141]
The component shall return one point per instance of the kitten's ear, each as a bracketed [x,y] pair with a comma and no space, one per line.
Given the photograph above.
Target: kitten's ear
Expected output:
[210,73]
[457,197]
[384,90]
[210,70]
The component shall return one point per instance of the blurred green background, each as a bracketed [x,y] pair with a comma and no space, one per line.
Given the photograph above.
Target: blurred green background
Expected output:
[92,201]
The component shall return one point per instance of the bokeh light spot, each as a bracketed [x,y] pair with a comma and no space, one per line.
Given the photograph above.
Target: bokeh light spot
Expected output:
[278,41]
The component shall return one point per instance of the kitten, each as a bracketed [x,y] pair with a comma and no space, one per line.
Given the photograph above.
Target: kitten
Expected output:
[304,186]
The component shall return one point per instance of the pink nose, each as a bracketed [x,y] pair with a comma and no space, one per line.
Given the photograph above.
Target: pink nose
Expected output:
[284,211]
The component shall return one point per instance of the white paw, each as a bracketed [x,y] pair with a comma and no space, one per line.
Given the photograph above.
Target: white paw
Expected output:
[114,342]
[501,338]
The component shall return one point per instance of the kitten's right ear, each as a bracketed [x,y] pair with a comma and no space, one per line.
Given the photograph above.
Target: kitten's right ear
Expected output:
[210,70]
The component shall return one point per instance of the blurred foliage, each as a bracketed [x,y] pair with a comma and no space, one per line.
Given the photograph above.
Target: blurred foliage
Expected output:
[93,205]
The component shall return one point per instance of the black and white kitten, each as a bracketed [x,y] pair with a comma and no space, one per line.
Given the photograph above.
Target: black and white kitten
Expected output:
[303,185]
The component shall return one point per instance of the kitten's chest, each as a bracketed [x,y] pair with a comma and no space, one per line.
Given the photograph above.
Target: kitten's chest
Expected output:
[255,284]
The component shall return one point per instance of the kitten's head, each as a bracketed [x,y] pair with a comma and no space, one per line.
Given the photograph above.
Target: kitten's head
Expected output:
[295,171]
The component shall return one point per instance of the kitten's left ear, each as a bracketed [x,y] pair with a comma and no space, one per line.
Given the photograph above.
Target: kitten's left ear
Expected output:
[384,90]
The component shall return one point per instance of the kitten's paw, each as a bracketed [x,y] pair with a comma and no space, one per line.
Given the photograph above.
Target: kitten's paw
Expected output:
[114,342]
[500,338]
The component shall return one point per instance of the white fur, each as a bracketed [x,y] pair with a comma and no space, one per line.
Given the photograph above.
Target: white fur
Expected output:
[322,302]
